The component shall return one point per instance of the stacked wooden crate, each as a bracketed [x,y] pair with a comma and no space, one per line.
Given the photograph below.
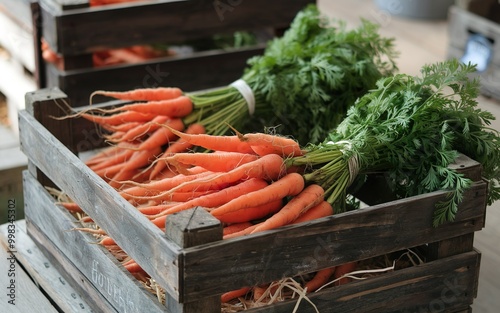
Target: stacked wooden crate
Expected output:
[195,266]
[75,31]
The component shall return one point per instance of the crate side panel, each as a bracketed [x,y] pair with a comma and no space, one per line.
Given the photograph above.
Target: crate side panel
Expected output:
[99,267]
[143,241]
[355,235]
[440,286]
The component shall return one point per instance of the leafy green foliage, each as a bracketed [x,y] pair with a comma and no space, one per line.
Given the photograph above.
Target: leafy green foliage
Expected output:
[303,83]
[413,128]
[315,71]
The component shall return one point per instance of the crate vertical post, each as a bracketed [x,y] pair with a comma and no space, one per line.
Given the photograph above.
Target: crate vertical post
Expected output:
[464,243]
[49,24]
[44,105]
[187,229]
[191,228]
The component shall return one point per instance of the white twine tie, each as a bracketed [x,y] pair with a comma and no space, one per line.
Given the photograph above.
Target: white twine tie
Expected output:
[352,162]
[247,94]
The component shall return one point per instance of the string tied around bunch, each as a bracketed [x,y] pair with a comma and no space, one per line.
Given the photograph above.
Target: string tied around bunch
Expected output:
[247,94]
[352,162]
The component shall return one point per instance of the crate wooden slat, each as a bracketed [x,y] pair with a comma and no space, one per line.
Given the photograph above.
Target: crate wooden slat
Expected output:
[191,275]
[449,283]
[82,30]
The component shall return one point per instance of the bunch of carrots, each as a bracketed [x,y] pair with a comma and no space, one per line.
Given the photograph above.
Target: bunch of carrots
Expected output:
[163,167]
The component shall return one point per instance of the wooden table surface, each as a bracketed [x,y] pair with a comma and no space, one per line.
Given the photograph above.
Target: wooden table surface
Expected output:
[421,42]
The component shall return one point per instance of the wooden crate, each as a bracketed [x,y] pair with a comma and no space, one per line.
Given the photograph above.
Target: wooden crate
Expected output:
[464,23]
[193,264]
[74,30]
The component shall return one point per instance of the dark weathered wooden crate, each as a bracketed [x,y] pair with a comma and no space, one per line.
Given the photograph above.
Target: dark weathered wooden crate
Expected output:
[463,23]
[74,30]
[195,266]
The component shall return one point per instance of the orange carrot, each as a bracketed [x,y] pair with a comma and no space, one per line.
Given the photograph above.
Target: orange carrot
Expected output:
[216,143]
[263,144]
[251,213]
[343,269]
[118,158]
[146,94]
[220,197]
[268,289]
[130,168]
[121,127]
[133,267]
[144,128]
[125,56]
[236,227]
[215,162]
[243,232]
[179,197]
[321,210]
[289,185]
[319,279]
[142,158]
[118,181]
[129,261]
[103,155]
[177,147]
[110,171]
[177,107]
[162,135]
[311,196]
[94,231]
[116,119]
[230,295]
[159,186]
[154,209]
[71,207]
[86,219]
[269,167]
[107,241]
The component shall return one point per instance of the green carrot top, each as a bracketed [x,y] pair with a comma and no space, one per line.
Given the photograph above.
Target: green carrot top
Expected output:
[413,128]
